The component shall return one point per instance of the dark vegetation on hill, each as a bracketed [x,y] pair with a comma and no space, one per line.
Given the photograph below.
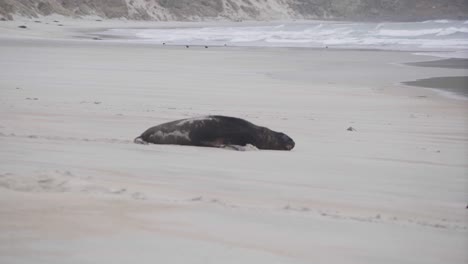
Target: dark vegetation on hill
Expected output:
[196,10]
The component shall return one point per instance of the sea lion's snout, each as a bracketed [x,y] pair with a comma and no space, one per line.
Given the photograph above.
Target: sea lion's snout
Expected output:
[287,142]
[290,144]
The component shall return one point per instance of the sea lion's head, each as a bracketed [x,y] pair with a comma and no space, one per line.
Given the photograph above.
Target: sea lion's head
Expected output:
[284,141]
[269,139]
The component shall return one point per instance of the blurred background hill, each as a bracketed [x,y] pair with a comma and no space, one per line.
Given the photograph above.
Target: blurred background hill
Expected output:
[235,10]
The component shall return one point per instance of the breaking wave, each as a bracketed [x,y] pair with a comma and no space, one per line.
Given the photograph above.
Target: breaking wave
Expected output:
[434,35]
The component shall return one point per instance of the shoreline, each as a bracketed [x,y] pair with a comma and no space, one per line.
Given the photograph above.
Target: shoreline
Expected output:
[450,63]
[457,85]
[92,26]
[450,86]
[438,84]
[456,89]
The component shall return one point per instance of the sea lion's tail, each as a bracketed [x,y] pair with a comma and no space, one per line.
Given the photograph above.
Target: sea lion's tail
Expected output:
[139,140]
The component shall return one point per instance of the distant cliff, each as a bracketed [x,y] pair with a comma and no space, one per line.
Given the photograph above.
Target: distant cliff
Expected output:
[196,10]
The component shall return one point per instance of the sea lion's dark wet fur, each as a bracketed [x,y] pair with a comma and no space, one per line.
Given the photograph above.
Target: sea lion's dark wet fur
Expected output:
[216,131]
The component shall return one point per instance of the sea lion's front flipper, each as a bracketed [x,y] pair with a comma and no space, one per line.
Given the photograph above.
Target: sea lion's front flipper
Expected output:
[217,143]
[247,147]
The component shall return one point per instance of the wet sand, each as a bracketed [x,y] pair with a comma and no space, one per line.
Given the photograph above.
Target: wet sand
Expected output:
[457,85]
[453,63]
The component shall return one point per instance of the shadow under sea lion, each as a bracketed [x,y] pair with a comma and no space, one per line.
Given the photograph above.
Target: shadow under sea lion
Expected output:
[216,131]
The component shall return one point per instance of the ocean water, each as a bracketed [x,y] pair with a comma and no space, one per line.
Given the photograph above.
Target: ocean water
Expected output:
[449,38]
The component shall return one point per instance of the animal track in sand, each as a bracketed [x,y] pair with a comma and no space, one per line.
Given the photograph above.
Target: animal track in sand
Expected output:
[43,181]
[377,218]
[212,201]
[59,138]
[57,181]
[138,196]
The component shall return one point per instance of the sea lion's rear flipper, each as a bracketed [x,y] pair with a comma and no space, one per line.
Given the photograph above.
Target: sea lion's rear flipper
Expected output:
[139,140]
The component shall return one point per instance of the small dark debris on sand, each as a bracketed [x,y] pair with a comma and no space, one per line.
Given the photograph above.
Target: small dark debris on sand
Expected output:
[37,21]
[187,46]
[164,43]
[29,98]
[99,20]
[97,102]
[60,25]
[22,26]
[56,21]
[351,129]
[206,47]
[95,38]
[3,19]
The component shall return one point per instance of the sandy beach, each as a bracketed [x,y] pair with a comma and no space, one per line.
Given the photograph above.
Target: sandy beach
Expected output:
[74,188]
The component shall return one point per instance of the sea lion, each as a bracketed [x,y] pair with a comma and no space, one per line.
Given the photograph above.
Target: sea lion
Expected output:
[216,131]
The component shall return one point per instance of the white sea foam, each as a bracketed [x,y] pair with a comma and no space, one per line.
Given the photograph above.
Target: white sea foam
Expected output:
[408,33]
[440,35]
[441,21]
[452,30]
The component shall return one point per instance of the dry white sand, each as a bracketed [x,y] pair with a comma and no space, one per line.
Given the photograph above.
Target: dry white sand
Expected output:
[75,189]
